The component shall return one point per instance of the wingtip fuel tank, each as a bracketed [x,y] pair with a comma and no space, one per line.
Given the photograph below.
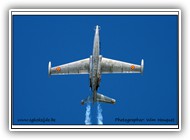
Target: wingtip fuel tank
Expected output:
[142,66]
[49,68]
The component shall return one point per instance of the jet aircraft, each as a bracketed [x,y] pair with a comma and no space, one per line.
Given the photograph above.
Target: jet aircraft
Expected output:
[95,66]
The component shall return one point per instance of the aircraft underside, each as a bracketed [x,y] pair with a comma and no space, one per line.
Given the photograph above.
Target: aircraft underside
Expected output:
[96,65]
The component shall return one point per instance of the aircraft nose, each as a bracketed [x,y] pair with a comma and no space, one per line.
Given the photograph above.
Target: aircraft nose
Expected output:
[97,27]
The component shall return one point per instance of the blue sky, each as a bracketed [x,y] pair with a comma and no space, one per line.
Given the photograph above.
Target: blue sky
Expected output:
[63,39]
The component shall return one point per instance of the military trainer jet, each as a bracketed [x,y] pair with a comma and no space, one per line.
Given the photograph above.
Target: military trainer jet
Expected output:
[95,66]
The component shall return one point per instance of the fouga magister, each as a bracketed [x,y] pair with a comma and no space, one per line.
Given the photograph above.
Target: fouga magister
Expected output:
[95,66]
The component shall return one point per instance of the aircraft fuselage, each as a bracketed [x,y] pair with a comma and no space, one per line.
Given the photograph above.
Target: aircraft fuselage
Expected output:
[95,73]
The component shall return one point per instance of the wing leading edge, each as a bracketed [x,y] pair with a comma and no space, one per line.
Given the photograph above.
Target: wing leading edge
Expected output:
[114,66]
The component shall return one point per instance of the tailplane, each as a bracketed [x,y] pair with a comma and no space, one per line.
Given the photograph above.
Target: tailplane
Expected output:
[99,98]
[105,99]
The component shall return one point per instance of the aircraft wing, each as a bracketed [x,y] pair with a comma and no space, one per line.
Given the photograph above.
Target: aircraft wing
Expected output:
[77,67]
[114,66]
